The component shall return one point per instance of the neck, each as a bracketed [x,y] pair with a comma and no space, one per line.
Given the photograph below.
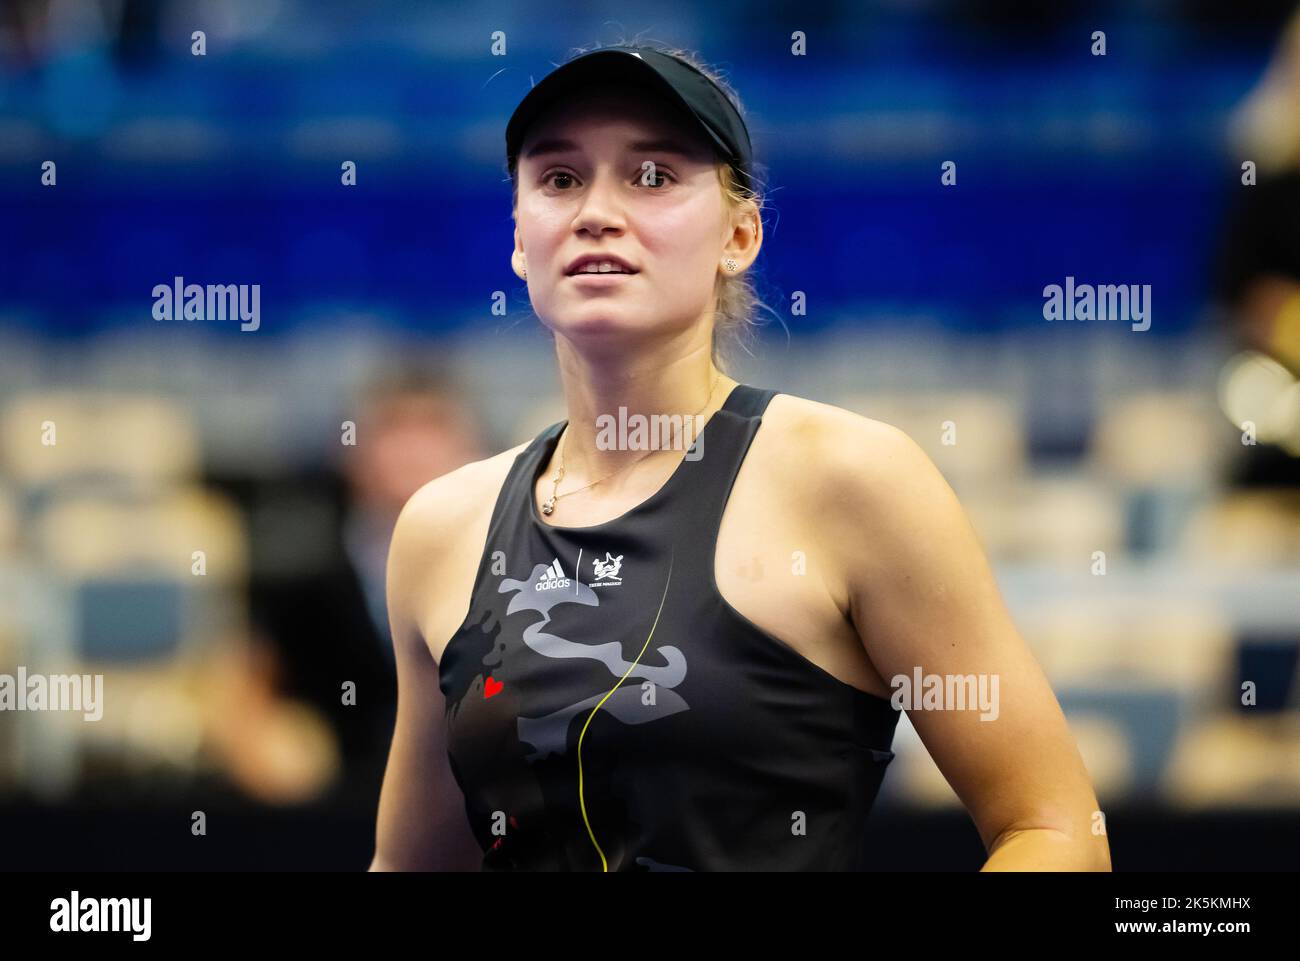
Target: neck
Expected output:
[595,391]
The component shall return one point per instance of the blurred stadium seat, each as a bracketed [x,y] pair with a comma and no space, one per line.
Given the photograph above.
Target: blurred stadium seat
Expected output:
[1253,528]
[10,521]
[1236,760]
[1161,439]
[1133,642]
[87,534]
[1048,519]
[988,438]
[136,438]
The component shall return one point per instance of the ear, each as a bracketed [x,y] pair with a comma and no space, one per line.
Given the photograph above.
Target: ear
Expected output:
[517,258]
[744,238]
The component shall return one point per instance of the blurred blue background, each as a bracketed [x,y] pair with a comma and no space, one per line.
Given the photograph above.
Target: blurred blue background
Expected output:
[227,165]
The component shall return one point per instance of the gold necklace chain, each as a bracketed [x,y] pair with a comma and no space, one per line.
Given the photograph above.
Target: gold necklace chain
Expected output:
[548,508]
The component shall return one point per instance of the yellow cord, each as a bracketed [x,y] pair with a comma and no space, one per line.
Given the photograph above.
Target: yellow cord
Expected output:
[581,802]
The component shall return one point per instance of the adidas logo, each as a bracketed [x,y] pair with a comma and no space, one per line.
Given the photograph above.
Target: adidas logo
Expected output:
[553,579]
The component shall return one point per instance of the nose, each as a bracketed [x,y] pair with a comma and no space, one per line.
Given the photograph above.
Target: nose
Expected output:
[601,209]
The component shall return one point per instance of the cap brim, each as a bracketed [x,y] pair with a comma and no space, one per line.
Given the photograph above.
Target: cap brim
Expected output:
[590,72]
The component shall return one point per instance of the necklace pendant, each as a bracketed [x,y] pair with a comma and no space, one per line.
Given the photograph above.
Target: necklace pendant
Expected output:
[549,506]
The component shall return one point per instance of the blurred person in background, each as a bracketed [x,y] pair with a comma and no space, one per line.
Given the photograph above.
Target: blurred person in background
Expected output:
[327,626]
[1259,258]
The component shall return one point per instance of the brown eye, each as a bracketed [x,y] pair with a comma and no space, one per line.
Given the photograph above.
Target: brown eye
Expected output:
[551,177]
[660,178]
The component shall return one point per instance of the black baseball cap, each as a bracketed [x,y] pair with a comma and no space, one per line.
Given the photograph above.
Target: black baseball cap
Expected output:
[684,85]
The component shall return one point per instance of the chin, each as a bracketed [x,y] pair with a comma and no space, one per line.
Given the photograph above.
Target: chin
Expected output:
[594,321]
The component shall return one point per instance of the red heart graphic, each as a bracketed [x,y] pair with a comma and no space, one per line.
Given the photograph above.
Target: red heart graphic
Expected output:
[491,686]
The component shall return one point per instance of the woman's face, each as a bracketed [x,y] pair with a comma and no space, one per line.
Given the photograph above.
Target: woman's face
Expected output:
[584,190]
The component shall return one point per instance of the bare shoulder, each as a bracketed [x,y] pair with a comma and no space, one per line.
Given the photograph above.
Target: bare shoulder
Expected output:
[830,452]
[870,496]
[433,536]
[444,504]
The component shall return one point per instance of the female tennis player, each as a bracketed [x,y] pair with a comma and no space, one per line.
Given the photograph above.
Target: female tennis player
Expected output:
[691,656]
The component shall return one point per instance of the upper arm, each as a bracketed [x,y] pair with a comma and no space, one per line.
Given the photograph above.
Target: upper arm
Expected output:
[921,594]
[421,821]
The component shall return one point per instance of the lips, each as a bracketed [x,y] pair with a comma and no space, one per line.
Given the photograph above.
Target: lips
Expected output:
[579,266]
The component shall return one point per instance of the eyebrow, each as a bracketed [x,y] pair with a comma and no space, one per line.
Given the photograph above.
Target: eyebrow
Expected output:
[555,145]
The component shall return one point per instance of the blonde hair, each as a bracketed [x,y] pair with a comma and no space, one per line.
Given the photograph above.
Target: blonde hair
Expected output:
[736,300]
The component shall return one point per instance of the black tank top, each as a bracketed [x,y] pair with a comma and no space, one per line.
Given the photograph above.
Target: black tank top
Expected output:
[607,709]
